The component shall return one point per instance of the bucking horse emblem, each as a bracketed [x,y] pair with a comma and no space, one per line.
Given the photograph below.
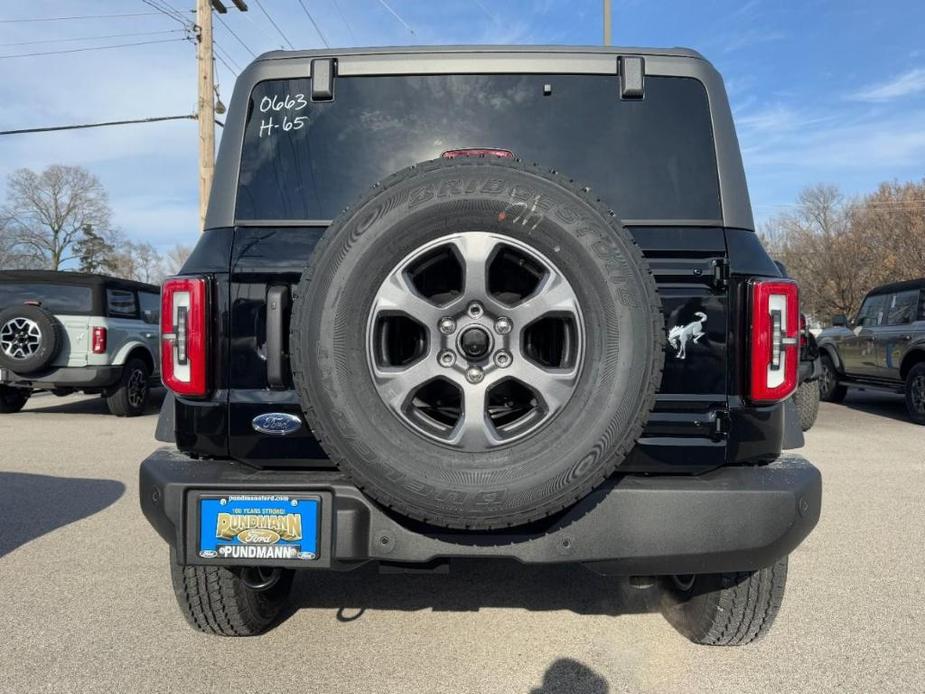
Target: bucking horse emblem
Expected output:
[680,335]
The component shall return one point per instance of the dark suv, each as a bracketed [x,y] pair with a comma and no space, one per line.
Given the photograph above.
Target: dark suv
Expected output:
[883,348]
[481,302]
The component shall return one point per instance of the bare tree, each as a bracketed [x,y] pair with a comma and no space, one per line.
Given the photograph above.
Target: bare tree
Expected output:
[820,247]
[176,258]
[48,211]
[139,261]
[838,249]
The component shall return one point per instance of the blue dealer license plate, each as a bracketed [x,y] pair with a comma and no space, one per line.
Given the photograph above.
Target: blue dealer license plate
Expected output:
[259,527]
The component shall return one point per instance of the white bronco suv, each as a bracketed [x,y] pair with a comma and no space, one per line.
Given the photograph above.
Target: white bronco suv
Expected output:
[73,331]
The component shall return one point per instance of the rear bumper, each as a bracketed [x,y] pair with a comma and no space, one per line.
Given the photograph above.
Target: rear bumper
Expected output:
[731,519]
[65,377]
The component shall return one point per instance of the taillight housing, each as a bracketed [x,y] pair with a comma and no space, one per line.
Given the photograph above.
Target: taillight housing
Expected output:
[184,344]
[774,343]
[98,340]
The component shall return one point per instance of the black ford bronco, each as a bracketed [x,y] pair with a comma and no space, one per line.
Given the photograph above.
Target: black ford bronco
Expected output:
[481,302]
[882,348]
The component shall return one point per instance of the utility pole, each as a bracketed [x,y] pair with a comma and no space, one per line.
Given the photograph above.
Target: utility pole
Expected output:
[608,23]
[205,110]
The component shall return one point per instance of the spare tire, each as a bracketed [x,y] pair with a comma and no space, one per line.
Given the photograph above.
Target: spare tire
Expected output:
[478,343]
[30,338]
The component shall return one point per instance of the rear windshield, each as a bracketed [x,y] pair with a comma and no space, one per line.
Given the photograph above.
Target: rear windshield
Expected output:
[57,298]
[648,159]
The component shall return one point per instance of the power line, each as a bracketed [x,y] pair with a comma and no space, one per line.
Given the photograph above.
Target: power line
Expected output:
[154,119]
[344,18]
[275,25]
[93,38]
[396,15]
[83,16]
[231,31]
[168,12]
[225,58]
[92,48]
[315,24]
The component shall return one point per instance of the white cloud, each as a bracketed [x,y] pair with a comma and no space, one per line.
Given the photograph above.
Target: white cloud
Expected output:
[906,84]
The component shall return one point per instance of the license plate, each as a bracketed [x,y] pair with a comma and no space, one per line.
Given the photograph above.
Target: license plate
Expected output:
[259,527]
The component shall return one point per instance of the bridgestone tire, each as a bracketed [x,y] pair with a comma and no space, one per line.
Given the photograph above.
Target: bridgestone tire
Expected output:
[216,600]
[51,338]
[728,609]
[126,400]
[807,401]
[829,388]
[536,475]
[13,399]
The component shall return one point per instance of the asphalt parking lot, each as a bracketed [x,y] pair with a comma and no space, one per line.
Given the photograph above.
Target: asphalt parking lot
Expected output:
[87,602]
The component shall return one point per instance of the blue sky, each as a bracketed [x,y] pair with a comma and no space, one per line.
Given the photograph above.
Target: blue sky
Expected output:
[822,90]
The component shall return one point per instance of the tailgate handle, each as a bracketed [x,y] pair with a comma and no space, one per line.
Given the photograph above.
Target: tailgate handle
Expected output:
[277,344]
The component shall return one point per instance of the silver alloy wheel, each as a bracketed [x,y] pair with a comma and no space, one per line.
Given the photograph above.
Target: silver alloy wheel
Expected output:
[516,340]
[137,388]
[20,338]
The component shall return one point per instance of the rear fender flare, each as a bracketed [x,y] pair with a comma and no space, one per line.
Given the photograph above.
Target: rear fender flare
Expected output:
[123,354]
[833,355]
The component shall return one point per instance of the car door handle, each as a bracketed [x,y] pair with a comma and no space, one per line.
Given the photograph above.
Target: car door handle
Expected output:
[277,357]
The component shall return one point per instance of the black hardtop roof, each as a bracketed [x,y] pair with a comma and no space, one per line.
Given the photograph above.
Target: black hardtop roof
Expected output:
[69,277]
[897,287]
[405,50]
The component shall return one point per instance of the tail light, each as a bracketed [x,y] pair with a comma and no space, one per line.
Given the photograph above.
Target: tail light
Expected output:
[99,340]
[775,323]
[184,357]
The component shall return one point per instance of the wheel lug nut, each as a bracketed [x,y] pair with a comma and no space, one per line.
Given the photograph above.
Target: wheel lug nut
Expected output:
[503,358]
[474,374]
[475,309]
[447,358]
[447,325]
[503,325]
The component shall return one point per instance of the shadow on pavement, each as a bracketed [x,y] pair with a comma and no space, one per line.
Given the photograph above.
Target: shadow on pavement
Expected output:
[567,676]
[33,505]
[90,404]
[880,404]
[472,585]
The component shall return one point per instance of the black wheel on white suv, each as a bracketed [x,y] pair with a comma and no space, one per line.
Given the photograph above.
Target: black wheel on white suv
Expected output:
[130,397]
[30,338]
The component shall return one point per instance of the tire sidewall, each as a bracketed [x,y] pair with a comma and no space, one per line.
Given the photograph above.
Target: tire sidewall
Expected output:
[914,415]
[50,340]
[551,467]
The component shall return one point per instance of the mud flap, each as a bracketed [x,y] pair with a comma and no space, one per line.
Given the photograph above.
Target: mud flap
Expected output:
[793,434]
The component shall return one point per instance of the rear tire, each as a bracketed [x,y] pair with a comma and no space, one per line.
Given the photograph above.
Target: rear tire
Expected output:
[218,600]
[807,401]
[727,609]
[830,390]
[13,399]
[915,393]
[131,395]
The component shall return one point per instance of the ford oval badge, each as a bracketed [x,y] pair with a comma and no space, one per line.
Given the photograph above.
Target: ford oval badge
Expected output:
[276,423]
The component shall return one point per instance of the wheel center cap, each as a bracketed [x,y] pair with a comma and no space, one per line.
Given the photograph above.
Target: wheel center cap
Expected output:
[475,342]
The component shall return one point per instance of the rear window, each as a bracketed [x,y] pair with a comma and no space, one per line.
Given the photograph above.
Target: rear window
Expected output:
[57,298]
[648,159]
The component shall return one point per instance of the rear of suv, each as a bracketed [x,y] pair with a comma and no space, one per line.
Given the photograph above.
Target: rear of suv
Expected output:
[65,332]
[481,302]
